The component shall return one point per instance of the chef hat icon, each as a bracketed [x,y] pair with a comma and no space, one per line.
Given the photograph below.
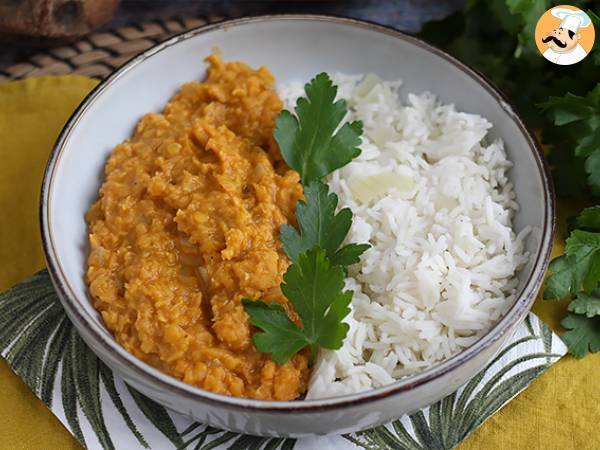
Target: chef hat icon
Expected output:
[571,20]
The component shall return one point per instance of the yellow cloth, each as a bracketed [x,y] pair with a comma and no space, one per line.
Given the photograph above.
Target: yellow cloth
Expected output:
[32,112]
[560,409]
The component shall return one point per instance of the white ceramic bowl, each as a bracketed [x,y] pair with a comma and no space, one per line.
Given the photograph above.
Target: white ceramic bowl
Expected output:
[294,48]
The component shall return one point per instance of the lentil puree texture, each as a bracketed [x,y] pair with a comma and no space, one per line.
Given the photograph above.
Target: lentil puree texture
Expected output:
[187,224]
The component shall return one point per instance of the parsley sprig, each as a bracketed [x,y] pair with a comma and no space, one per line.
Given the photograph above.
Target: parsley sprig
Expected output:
[314,144]
[308,143]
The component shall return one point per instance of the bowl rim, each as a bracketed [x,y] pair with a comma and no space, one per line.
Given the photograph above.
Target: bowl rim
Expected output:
[161,381]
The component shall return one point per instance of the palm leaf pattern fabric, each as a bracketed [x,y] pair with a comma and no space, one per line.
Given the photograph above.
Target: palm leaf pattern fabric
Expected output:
[101,411]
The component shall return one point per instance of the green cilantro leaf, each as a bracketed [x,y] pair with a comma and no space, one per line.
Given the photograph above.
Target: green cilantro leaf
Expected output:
[583,334]
[309,143]
[586,304]
[578,269]
[315,289]
[321,226]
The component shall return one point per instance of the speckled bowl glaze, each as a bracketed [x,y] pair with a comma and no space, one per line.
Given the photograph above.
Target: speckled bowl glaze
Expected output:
[294,47]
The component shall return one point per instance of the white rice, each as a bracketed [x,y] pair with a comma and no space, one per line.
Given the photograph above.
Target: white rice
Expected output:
[432,197]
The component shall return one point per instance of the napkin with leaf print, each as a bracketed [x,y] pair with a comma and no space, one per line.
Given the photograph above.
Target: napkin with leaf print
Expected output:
[43,347]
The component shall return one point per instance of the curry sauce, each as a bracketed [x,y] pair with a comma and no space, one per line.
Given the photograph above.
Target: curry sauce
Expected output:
[187,224]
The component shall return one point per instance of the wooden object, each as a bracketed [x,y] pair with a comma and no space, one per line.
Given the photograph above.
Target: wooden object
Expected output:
[55,19]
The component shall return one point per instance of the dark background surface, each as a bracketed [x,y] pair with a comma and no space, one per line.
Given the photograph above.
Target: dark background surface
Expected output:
[405,15]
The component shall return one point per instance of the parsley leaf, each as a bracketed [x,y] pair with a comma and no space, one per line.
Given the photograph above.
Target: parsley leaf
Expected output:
[321,226]
[307,142]
[568,109]
[565,278]
[583,334]
[582,243]
[589,219]
[315,289]
[349,254]
[579,120]
[530,12]
[578,269]
[577,274]
[284,338]
[586,304]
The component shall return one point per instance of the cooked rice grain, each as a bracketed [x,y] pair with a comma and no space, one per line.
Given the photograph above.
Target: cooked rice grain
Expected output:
[433,199]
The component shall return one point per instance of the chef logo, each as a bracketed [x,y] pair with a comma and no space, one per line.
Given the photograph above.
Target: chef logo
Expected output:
[564,35]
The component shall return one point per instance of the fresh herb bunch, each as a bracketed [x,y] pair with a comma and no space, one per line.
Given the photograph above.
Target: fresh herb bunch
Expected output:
[563,103]
[312,143]
[576,274]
